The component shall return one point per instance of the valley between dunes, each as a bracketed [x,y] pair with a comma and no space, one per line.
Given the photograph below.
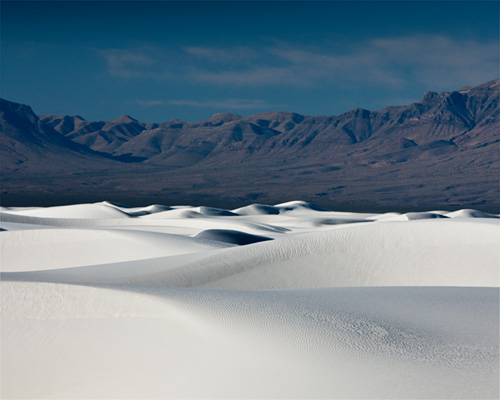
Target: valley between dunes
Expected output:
[103,301]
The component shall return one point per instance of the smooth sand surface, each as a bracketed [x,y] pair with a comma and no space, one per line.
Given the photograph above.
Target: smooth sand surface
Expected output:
[286,301]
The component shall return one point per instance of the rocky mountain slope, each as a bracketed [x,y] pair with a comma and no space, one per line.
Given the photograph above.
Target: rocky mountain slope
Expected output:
[30,145]
[443,150]
[438,120]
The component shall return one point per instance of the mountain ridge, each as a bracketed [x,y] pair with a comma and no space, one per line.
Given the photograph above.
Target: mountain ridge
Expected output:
[446,135]
[451,118]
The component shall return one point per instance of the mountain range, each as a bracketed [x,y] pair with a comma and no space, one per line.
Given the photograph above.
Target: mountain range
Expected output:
[441,152]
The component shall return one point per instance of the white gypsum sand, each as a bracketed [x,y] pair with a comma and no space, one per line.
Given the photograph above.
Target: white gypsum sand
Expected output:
[286,301]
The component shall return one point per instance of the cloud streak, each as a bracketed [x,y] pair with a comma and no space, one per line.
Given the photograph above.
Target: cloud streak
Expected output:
[433,60]
[232,55]
[149,103]
[230,104]
[126,63]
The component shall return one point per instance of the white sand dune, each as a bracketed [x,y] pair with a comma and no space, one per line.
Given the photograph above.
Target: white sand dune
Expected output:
[105,301]
[59,248]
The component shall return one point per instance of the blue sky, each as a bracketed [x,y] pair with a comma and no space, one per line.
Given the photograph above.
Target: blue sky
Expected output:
[157,61]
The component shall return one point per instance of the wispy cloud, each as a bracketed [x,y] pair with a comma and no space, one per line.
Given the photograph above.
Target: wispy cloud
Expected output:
[127,63]
[237,54]
[269,76]
[230,104]
[149,103]
[439,61]
[433,60]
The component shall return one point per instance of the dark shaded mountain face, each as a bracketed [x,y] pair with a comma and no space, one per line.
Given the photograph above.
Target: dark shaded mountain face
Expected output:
[28,145]
[442,152]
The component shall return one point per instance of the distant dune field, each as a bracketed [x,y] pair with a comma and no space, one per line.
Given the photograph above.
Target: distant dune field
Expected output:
[286,301]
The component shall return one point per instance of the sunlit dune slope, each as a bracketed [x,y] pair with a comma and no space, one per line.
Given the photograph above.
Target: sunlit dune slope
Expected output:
[285,301]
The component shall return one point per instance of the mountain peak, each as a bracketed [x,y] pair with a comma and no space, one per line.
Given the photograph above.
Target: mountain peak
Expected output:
[220,119]
[18,108]
[124,119]
[227,117]
[493,84]
[432,98]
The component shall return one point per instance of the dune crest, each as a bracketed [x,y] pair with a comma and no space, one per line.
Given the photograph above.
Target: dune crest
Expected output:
[264,301]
